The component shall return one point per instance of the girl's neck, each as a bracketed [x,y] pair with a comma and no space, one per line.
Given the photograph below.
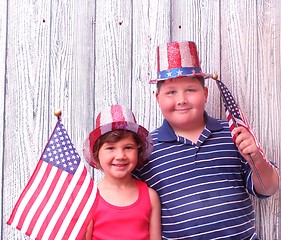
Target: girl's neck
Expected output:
[119,193]
[108,182]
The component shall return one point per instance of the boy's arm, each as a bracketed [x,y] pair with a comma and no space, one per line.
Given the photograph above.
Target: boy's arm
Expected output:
[268,173]
[155,217]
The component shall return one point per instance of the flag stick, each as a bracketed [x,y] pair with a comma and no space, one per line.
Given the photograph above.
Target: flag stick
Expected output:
[214,76]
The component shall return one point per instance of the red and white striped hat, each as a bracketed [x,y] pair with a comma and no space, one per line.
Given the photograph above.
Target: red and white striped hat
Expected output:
[176,59]
[113,118]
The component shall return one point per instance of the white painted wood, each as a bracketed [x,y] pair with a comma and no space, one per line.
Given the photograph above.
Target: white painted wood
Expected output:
[82,56]
[3,45]
[151,26]
[26,117]
[246,50]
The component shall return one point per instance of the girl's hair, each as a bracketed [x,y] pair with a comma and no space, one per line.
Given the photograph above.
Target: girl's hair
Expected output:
[159,83]
[115,136]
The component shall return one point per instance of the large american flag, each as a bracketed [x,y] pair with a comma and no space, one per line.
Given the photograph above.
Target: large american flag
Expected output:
[58,200]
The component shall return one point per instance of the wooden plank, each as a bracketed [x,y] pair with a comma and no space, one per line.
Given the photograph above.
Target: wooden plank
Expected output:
[151,27]
[113,56]
[26,128]
[72,68]
[199,21]
[3,44]
[239,63]
[269,103]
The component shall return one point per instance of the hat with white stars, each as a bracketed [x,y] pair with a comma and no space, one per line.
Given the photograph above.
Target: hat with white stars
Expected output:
[116,117]
[177,59]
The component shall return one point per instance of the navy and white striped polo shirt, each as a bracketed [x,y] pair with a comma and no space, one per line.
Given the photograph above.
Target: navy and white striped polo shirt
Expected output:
[201,186]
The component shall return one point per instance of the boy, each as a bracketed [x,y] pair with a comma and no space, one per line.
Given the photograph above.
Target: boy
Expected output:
[202,177]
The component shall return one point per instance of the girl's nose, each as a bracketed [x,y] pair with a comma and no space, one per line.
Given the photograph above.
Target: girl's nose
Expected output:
[120,154]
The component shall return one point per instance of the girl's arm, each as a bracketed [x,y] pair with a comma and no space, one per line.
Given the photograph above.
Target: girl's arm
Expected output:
[155,218]
[89,232]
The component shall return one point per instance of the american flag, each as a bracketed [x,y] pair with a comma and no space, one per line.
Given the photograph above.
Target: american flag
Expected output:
[236,118]
[234,115]
[58,200]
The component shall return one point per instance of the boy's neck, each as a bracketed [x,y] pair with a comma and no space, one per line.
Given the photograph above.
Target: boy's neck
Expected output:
[191,133]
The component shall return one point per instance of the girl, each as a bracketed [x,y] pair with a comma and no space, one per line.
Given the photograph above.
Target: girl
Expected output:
[126,208]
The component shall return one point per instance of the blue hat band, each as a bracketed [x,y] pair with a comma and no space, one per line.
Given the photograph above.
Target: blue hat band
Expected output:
[177,72]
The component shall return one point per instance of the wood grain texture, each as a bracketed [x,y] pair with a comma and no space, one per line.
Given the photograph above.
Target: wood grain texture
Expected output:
[26,118]
[82,56]
[3,44]
[151,26]
[246,73]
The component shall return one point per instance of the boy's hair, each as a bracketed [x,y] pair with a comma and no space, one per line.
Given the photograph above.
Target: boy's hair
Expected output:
[115,136]
[159,83]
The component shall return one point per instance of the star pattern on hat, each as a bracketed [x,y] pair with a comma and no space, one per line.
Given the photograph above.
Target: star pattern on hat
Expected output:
[179,72]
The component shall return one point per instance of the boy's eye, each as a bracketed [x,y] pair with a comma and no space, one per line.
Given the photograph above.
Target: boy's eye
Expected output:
[191,90]
[171,92]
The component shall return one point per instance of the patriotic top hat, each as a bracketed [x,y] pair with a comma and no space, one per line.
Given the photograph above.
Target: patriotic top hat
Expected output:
[176,59]
[116,117]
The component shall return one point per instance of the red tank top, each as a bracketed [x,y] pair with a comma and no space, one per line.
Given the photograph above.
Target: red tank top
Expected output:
[126,223]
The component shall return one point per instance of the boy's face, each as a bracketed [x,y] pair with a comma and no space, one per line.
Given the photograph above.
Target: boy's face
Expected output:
[182,102]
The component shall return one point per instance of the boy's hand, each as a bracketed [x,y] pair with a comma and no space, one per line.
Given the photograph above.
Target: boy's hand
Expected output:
[245,142]
[268,174]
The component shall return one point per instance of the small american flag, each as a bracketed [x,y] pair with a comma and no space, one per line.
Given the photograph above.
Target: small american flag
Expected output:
[234,114]
[236,118]
[58,200]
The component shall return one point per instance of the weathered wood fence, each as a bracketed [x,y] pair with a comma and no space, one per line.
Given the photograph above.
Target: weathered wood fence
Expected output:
[84,55]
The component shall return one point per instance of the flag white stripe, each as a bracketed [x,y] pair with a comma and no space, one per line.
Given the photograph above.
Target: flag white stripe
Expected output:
[85,212]
[39,198]
[73,208]
[49,205]
[28,195]
[63,202]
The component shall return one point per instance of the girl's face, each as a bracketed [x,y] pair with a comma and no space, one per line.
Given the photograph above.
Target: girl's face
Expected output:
[119,159]
[182,102]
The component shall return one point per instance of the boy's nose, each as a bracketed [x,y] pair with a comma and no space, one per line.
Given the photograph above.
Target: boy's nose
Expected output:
[181,99]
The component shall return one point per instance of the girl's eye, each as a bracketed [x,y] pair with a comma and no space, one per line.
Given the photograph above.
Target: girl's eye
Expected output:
[129,147]
[109,148]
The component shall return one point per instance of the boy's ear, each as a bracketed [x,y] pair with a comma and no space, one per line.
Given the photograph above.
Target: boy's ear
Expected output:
[206,93]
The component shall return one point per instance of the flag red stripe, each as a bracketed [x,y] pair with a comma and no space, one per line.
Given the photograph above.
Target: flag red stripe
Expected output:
[87,220]
[43,203]
[55,206]
[34,196]
[68,206]
[27,187]
[79,210]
